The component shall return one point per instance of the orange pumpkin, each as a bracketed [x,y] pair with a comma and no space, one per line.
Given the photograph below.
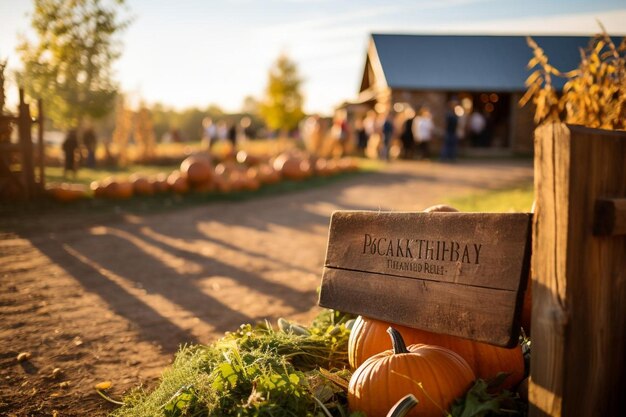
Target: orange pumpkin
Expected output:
[244,157]
[196,169]
[347,164]
[98,189]
[177,183]
[268,175]
[205,187]
[159,183]
[222,184]
[292,167]
[141,185]
[118,190]
[67,192]
[321,167]
[368,337]
[390,375]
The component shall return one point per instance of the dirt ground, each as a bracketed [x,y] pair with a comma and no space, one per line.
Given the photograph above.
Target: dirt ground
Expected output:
[113,300]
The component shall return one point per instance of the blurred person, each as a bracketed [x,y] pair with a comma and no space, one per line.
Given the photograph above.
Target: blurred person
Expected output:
[210,132]
[232,134]
[386,130]
[312,133]
[361,135]
[175,136]
[407,137]
[339,131]
[450,139]
[477,126]
[222,130]
[369,123]
[423,131]
[70,144]
[90,141]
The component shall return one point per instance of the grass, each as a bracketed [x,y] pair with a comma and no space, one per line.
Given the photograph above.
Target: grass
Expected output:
[255,371]
[87,175]
[518,198]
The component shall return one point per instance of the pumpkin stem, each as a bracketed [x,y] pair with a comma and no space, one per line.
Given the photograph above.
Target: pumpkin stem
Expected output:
[397,341]
[403,406]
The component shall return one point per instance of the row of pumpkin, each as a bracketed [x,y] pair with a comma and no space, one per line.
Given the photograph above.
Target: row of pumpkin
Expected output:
[197,173]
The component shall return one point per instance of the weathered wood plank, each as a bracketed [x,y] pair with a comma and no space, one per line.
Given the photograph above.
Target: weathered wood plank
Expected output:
[476,313]
[482,258]
[610,217]
[578,365]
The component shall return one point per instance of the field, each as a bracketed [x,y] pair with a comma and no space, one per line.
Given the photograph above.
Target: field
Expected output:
[110,294]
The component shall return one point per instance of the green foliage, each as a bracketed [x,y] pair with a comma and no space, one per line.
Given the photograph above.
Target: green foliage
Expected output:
[69,65]
[255,371]
[282,105]
[482,401]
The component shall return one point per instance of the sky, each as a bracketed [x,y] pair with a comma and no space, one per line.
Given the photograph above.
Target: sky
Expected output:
[198,52]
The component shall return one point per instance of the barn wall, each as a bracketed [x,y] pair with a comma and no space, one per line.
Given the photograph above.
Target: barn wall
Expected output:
[522,127]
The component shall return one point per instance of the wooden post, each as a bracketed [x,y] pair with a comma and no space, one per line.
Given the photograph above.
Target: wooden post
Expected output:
[578,365]
[40,144]
[26,147]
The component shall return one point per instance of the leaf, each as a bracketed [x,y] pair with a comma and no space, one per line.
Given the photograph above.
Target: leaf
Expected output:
[532,77]
[479,402]
[334,378]
[103,386]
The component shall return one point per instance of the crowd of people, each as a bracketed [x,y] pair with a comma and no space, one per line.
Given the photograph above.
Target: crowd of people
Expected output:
[372,133]
[414,132]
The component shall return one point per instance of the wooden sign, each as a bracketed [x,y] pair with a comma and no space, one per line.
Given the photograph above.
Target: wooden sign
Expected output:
[461,274]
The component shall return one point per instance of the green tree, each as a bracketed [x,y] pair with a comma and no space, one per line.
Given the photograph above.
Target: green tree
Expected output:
[69,64]
[282,105]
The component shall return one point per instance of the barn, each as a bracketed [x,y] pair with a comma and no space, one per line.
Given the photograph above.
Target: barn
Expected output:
[485,73]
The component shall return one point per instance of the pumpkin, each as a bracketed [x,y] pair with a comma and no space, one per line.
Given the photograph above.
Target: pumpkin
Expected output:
[268,175]
[321,167]
[116,189]
[141,185]
[98,189]
[177,183]
[390,375]
[196,169]
[368,337]
[222,184]
[67,192]
[204,187]
[347,164]
[292,167]
[332,167]
[159,183]
[244,157]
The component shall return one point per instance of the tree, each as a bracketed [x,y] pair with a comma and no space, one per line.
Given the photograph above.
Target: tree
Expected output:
[69,65]
[282,106]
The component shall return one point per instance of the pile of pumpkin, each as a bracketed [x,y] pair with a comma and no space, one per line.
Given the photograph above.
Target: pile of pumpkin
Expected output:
[391,361]
[197,173]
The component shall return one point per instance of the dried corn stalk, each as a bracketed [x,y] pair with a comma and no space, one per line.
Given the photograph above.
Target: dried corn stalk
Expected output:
[594,94]
[144,134]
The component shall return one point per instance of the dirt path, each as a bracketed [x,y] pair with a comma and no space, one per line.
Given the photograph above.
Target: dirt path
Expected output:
[113,301]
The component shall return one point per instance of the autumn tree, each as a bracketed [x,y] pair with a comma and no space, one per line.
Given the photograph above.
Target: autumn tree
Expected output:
[281,107]
[69,64]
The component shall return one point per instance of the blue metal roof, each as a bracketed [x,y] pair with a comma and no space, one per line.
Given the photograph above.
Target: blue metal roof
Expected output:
[469,63]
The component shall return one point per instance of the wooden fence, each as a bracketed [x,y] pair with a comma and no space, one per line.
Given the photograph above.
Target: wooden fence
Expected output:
[578,365]
[22,174]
